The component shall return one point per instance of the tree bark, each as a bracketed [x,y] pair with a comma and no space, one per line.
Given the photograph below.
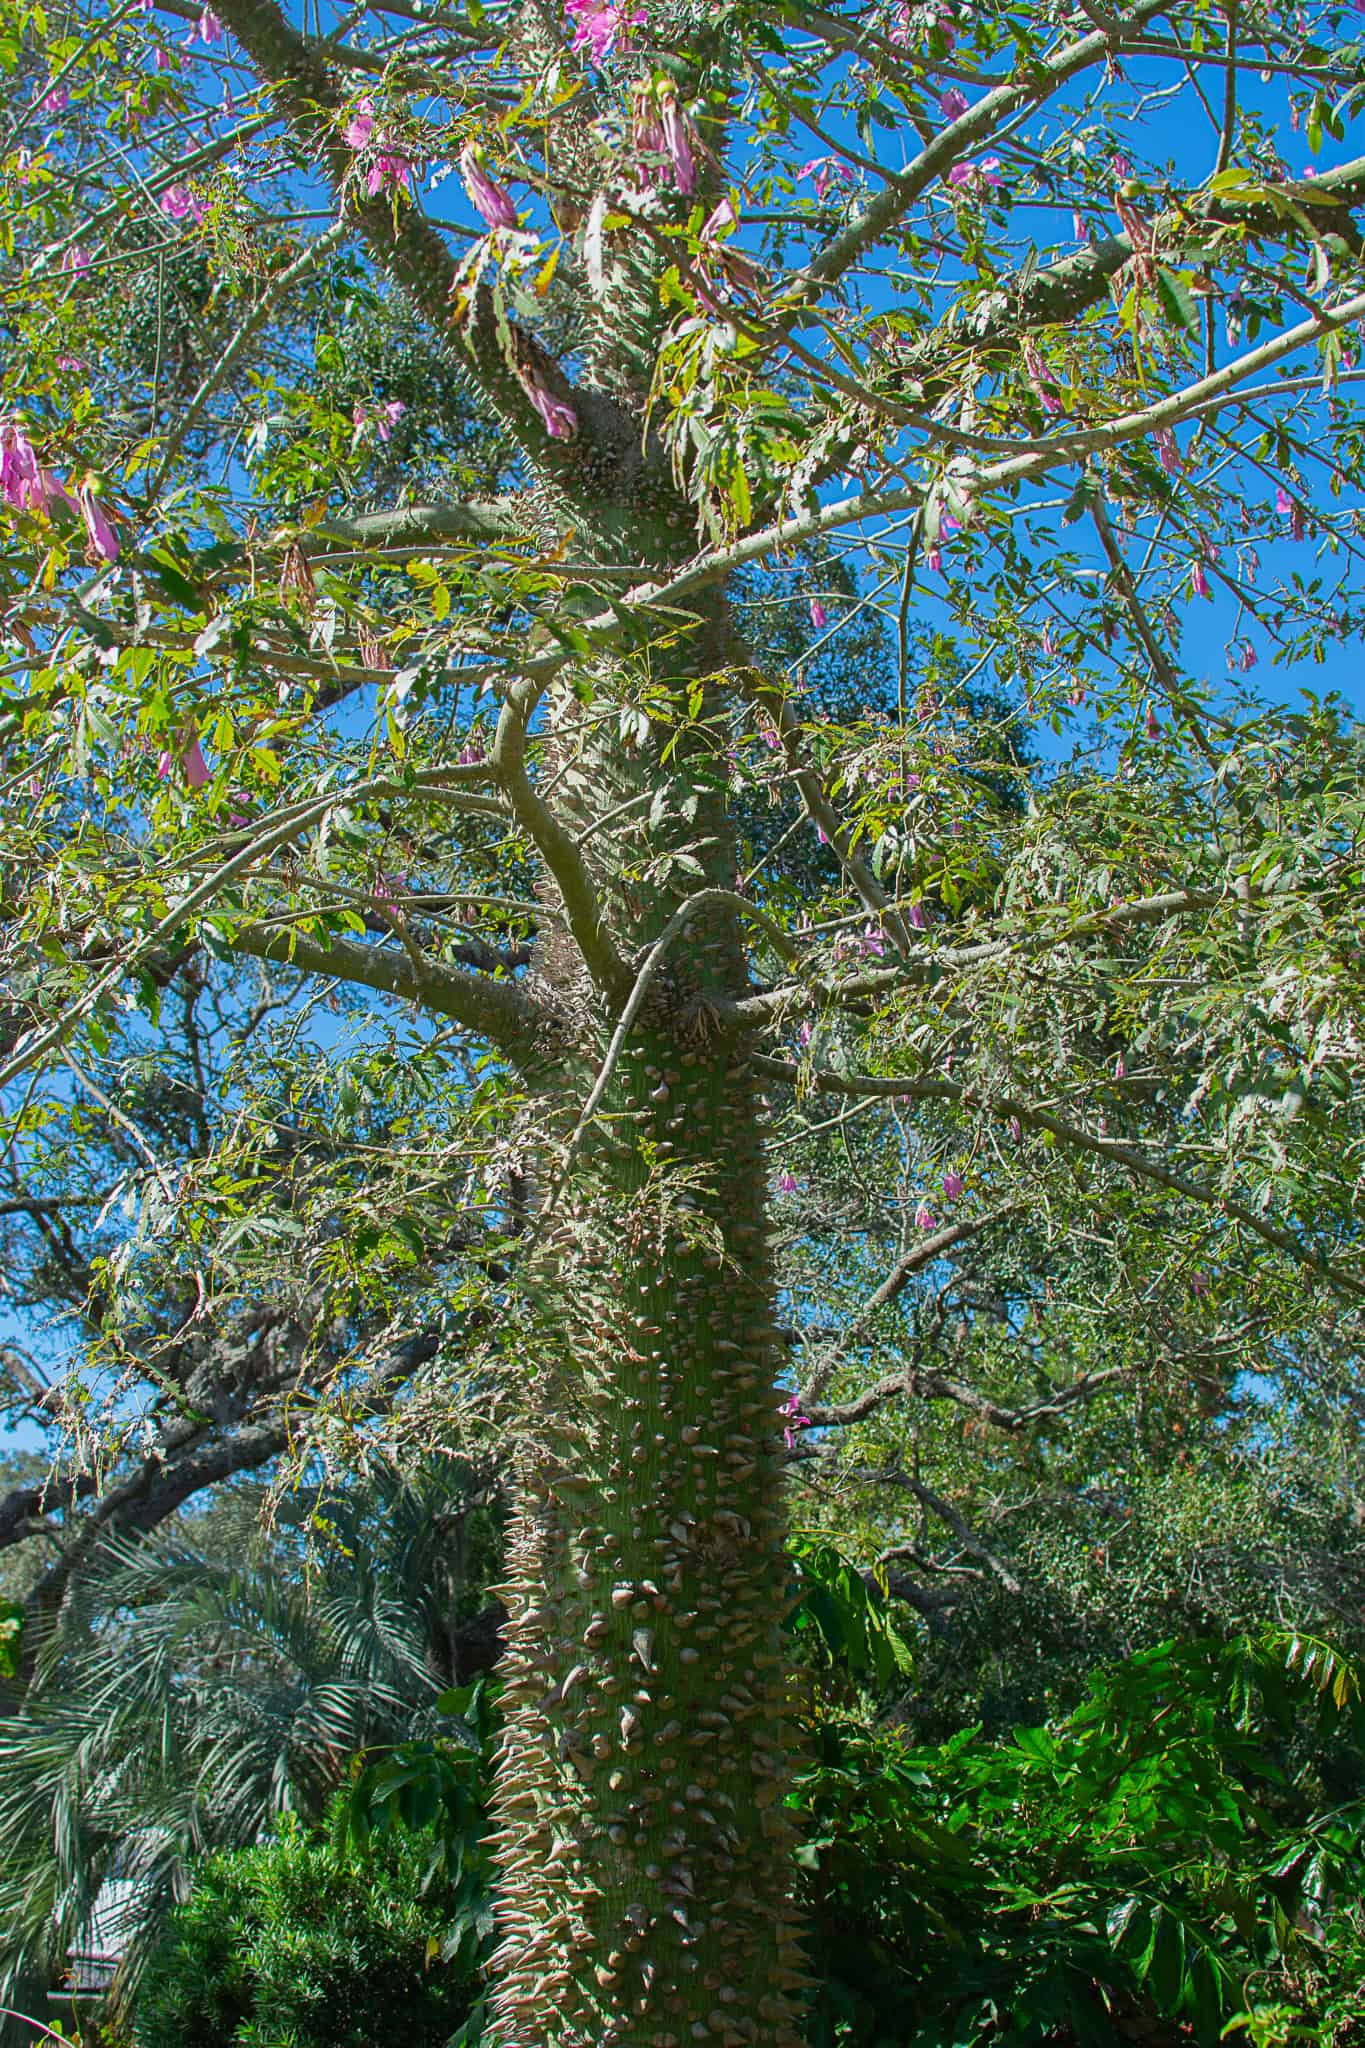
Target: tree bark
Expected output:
[644,1847]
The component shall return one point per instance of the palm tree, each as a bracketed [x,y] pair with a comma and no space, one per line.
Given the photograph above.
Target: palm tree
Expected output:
[190,1695]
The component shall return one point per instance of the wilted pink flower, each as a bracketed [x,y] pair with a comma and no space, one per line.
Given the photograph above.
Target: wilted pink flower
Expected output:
[933,558]
[1151,725]
[953,104]
[1199,582]
[1168,451]
[486,196]
[818,615]
[210,28]
[388,168]
[1079,226]
[360,127]
[953,1185]
[55,100]
[1016,1130]
[803,1035]
[1199,1284]
[599,23]
[18,464]
[472,752]
[1120,1068]
[924,1217]
[100,533]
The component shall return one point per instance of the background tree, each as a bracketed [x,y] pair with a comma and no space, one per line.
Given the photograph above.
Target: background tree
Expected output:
[259,694]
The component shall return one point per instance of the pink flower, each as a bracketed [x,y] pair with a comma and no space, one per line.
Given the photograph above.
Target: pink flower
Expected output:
[1040,378]
[1199,582]
[1151,725]
[677,136]
[974,176]
[918,921]
[191,762]
[824,170]
[1284,504]
[803,1035]
[392,886]
[786,1183]
[818,615]
[599,23]
[560,420]
[1199,1285]
[1016,1130]
[486,196]
[44,491]
[100,533]
[166,59]
[360,127]
[953,1185]
[75,259]
[873,941]
[179,203]
[1168,451]
[55,100]
[18,464]
[387,418]
[953,104]
[933,558]
[1122,167]
[795,1421]
[924,1217]
[388,168]
[1079,227]
[210,28]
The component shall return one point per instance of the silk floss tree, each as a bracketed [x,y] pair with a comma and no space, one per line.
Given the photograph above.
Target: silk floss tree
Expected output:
[1010,324]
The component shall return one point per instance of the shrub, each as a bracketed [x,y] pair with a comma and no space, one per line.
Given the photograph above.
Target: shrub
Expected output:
[292,1945]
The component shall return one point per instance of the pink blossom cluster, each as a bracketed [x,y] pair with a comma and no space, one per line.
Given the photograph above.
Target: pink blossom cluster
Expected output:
[381,418]
[28,487]
[661,129]
[599,25]
[388,166]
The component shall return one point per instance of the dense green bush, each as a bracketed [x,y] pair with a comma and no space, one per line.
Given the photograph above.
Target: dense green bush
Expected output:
[293,1945]
[1180,1860]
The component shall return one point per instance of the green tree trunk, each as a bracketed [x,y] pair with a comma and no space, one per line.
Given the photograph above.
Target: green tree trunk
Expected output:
[645,1849]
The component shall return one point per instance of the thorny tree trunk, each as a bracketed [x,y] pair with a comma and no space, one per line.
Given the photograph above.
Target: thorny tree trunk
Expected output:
[645,1850]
